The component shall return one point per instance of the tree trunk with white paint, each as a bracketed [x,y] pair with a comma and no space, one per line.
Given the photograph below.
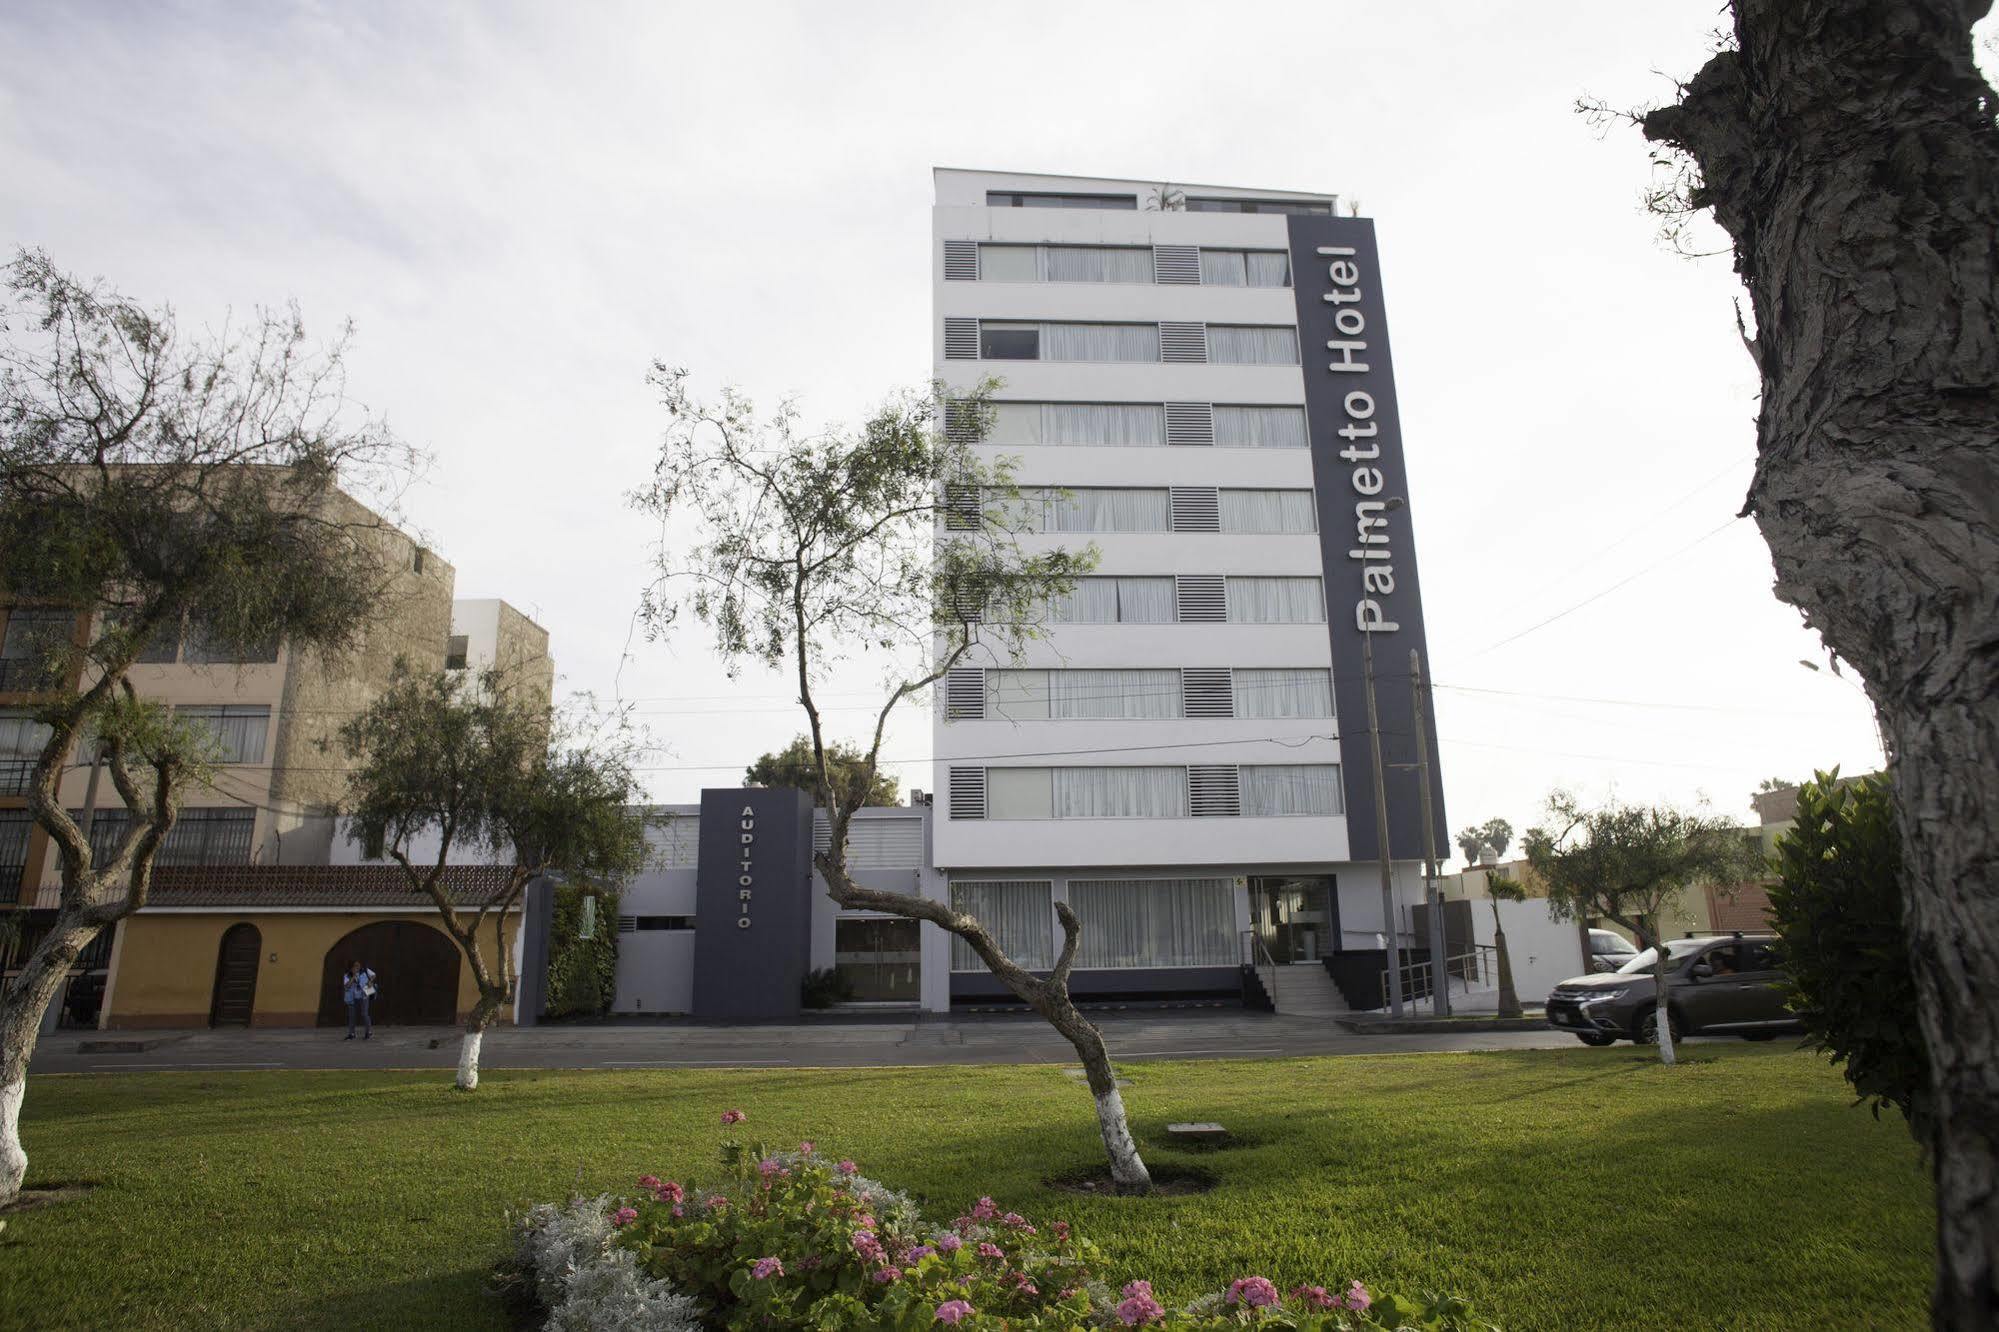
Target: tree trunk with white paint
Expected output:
[1849,149]
[22,1007]
[476,1023]
[1662,1013]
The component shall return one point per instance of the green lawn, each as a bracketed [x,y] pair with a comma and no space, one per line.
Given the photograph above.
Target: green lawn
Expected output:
[1557,1189]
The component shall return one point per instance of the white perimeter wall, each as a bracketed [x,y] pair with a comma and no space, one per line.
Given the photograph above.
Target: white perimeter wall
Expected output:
[1544,951]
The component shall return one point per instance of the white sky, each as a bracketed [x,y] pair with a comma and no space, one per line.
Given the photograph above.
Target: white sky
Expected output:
[522,206]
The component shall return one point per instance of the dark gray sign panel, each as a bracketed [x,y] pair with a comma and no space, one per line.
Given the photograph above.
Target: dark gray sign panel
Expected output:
[1369,545]
[753,903]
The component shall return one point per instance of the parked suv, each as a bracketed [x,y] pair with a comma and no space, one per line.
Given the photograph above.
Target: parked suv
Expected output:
[1716,984]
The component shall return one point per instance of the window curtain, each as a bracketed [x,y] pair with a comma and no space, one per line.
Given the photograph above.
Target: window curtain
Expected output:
[1260,427]
[1222,268]
[1107,342]
[1019,914]
[1269,268]
[1267,511]
[1015,423]
[1155,922]
[1106,510]
[1251,344]
[1276,601]
[1017,695]
[1096,263]
[239,732]
[1018,793]
[1286,692]
[1008,263]
[21,736]
[1146,601]
[1129,694]
[1115,601]
[1120,793]
[1101,423]
[1290,788]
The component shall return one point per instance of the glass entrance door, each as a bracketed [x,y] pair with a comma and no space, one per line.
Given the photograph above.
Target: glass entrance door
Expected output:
[1294,916]
[880,959]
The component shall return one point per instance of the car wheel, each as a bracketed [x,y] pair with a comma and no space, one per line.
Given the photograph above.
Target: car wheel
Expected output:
[1648,1027]
[1595,1038]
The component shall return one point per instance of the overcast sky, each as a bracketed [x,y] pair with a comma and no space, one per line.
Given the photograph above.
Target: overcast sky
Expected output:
[523,206]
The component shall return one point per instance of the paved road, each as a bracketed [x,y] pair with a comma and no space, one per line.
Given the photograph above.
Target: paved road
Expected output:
[1230,1035]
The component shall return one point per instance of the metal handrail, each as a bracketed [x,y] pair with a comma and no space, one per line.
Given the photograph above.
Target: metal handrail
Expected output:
[1256,957]
[1417,981]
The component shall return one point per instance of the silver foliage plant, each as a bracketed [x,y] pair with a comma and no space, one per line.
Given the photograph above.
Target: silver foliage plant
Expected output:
[585,1283]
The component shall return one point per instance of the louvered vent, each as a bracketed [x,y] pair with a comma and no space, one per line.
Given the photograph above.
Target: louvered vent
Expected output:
[968,793]
[1197,509]
[628,924]
[965,693]
[1213,791]
[961,422]
[961,261]
[822,831]
[968,599]
[1177,342]
[961,508]
[1190,423]
[1209,691]
[1201,599]
[1179,264]
[961,340]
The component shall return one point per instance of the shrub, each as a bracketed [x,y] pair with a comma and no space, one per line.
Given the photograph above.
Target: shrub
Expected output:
[794,1239]
[582,973]
[825,987]
[1838,906]
[565,1257]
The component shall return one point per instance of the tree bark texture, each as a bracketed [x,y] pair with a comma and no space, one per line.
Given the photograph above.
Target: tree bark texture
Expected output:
[1849,149]
[1509,998]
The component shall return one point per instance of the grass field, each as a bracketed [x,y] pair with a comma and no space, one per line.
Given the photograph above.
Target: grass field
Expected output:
[1557,1189]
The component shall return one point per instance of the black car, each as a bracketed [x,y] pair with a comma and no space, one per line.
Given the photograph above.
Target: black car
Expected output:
[1609,950]
[1716,984]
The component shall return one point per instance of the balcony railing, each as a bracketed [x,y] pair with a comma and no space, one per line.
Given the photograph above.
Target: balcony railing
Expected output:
[17,775]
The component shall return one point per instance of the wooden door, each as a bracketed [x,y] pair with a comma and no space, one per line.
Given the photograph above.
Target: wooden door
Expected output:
[416,974]
[236,976]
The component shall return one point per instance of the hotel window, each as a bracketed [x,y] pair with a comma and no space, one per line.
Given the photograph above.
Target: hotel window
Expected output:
[1245,268]
[239,731]
[199,836]
[1011,340]
[15,826]
[1264,692]
[1093,509]
[21,741]
[1259,427]
[1155,922]
[1267,511]
[1082,423]
[1314,206]
[1115,601]
[1068,695]
[1265,600]
[1252,344]
[1281,790]
[1065,263]
[1018,914]
[1023,199]
[1086,793]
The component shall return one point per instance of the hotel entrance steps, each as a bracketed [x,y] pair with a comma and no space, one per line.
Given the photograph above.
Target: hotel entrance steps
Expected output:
[1304,989]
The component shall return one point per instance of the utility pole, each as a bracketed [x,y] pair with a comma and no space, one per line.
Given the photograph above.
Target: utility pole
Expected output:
[1381,835]
[1440,981]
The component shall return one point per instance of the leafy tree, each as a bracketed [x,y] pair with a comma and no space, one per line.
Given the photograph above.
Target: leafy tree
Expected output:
[155,482]
[794,766]
[1848,149]
[442,768]
[1496,833]
[1504,888]
[1769,784]
[898,540]
[1629,863]
[1838,903]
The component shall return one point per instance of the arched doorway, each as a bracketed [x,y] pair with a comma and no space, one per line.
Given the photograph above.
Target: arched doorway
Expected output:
[236,976]
[416,974]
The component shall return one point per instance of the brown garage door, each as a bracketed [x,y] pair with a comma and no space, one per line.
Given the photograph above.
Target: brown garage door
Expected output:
[416,974]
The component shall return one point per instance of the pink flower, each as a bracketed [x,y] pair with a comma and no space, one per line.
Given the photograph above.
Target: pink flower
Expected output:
[867,1246]
[1357,1297]
[648,1181]
[733,1117]
[949,1243]
[953,1311]
[767,1268]
[985,1211]
[1061,1230]
[1021,1283]
[987,1249]
[805,1149]
[1138,1306]
[717,1201]
[678,1211]
[624,1216]
[669,1191]
[915,1254]
[1315,1297]
[849,1168]
[887,1274]
[1256,1292]
[770,1167]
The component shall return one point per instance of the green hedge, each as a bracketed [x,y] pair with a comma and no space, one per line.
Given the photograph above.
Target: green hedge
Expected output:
[582,973]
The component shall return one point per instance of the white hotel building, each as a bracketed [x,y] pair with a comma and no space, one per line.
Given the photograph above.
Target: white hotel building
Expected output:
[1184,758]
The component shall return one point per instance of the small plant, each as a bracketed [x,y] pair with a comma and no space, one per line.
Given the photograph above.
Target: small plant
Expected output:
[825,987]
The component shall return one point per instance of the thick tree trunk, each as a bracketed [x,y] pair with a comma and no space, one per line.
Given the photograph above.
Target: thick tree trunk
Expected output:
[1509,999]
[476,1022]
[1128,1171]
[21,1009]
[1848,147]
[1662,1013]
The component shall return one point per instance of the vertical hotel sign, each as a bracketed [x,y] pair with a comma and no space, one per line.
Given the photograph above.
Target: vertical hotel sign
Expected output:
[1372,594]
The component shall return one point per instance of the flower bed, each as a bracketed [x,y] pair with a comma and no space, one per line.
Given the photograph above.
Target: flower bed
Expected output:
[794,1238]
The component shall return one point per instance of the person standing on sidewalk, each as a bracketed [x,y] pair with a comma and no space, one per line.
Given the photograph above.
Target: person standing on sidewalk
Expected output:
[357,988]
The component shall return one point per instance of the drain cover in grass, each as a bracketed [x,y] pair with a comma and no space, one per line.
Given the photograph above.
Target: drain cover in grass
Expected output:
[1196,1132]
